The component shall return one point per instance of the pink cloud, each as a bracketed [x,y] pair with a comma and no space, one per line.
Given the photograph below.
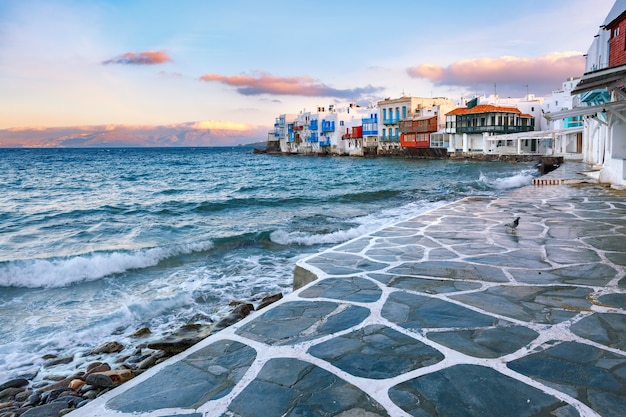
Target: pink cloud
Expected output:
[140,58]
[542,75]
[202,133]
[294,86]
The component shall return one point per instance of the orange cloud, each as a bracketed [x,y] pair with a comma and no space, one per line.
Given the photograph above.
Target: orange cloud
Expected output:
[294,86]
[140,58]
[542,75]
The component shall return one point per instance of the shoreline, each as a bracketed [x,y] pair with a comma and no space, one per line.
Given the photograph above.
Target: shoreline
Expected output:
[142,359]
[457,307]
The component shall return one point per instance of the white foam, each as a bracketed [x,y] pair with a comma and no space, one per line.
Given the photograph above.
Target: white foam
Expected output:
[520,179]
[50,273]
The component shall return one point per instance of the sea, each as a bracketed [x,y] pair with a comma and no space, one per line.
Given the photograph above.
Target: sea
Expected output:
[98,243]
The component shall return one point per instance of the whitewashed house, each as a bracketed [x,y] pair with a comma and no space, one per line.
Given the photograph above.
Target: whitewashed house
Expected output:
[600,100]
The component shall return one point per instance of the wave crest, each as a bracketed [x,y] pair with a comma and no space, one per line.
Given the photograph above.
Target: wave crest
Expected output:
[520,179]
[51,273]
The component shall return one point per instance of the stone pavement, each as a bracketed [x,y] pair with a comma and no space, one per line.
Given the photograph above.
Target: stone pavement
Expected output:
[451,313]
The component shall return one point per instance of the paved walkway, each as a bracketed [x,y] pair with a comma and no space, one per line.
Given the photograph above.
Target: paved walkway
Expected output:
[449,314]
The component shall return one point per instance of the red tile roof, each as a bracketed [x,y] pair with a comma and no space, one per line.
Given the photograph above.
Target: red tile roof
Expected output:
[485,108]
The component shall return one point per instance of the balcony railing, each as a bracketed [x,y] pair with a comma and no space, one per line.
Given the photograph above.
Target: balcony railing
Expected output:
[325,142]
[494,129]
[390,138]
[313,138]
[391,121]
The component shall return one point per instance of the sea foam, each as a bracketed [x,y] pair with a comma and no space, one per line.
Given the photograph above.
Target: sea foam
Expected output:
[59,272]
[520,179]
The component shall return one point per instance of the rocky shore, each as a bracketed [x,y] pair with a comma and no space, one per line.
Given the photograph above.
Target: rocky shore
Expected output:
[64,383]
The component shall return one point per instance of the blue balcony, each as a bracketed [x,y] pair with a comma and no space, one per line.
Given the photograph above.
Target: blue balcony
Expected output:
[325,142]
[313,125]
[390,138]
[328,126]
[313,138]
[391,121]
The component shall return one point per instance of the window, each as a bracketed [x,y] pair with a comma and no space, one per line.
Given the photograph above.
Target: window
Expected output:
[404,112]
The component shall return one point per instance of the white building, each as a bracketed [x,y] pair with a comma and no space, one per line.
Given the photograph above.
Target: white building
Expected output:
[600,100]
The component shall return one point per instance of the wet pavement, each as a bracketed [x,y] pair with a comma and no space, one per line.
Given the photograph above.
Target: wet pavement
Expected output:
[451,313]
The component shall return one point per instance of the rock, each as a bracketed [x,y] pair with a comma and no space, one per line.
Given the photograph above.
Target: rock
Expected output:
[90,395]
[269,300]
[99,380]
[185,337]
[56,393]
[57,385]
[47,410]
[238,313]
[33,399]
[173,346]
[70,400]
[75,384]
[5,405]
[109,378]
[23,396]
[98,367]
[144,331]
[9,393]
[58,361]
[107,347]
[14,383]
[150,361]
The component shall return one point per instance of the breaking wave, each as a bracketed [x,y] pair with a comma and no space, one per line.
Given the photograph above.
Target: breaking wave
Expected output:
[51,273]
[520,179]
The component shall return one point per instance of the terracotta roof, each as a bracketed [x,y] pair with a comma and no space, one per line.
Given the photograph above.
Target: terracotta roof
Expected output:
[484,108]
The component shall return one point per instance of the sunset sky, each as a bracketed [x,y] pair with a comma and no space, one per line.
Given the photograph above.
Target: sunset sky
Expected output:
[233,66]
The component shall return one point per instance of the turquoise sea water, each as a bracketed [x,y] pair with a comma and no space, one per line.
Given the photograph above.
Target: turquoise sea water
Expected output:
[96,243]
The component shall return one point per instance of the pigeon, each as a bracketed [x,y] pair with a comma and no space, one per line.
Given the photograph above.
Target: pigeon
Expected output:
[513,225]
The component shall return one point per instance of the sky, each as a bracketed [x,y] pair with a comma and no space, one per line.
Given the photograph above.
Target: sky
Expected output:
[206,72]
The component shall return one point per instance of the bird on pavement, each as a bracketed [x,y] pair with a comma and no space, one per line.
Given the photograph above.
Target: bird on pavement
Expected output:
[513,225]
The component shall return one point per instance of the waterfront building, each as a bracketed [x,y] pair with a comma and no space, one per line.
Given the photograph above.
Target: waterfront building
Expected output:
[470,127]
[278,139]
[328,130]
[423,127]
[393,111]
[601,100]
